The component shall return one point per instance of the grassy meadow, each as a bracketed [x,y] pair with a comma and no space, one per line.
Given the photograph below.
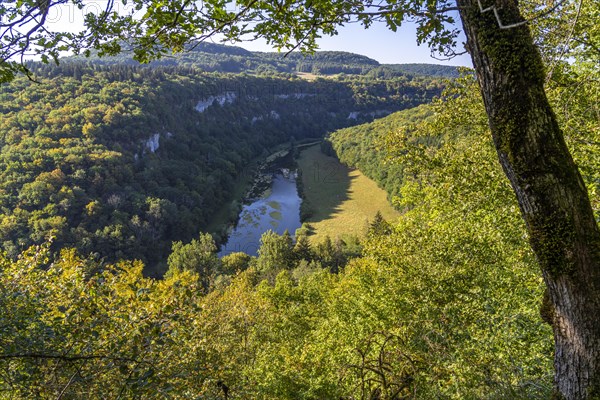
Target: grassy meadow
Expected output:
[342,200]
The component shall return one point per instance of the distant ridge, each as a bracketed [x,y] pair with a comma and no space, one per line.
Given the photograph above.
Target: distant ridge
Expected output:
[213,57]
[215,48]
[445,71]
[339,57]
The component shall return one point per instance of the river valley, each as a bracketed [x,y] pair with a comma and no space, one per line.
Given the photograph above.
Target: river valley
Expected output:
[277,209]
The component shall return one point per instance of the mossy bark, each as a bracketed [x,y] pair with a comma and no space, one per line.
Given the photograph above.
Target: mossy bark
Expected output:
[551,194]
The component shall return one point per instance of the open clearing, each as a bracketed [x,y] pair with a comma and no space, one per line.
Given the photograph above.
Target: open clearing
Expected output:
[342,200]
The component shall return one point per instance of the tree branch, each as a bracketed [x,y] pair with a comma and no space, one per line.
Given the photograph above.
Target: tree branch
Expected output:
[66,358]
[494,9]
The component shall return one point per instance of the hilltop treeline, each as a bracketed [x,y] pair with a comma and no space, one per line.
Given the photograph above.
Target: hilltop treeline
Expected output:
[213,57]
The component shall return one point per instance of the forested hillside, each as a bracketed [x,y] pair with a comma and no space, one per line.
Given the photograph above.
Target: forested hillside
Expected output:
[365,147]
[444,303]
[213,57]
[120,160]
[445,71]
[386,149]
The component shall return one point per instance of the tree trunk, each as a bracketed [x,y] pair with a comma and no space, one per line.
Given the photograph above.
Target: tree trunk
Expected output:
[552,196]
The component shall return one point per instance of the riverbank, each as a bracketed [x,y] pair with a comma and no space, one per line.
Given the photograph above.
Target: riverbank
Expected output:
[278,209]
[252,184]
[336,201]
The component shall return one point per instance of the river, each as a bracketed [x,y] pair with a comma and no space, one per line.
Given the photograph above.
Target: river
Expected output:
[277,210]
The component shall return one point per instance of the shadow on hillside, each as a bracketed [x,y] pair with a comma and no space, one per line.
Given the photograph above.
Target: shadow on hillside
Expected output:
[326,183]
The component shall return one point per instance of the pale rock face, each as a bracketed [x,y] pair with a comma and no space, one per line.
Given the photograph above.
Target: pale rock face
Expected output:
[153,143]
[222,99]
[294,95]
[230,97]
[377,113]
[272,115]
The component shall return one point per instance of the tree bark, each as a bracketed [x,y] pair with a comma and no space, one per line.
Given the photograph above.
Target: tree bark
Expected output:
[552,196]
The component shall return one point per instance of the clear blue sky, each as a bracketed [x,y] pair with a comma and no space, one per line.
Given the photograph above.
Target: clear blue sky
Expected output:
[379,43]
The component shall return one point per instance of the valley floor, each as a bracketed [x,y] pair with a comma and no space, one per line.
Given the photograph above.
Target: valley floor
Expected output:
[342,200]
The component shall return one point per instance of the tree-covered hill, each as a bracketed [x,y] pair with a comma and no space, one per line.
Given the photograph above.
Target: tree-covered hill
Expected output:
[212,57]
[444,71]
[386,150]
[364,147]
[120,161]
[442,304]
